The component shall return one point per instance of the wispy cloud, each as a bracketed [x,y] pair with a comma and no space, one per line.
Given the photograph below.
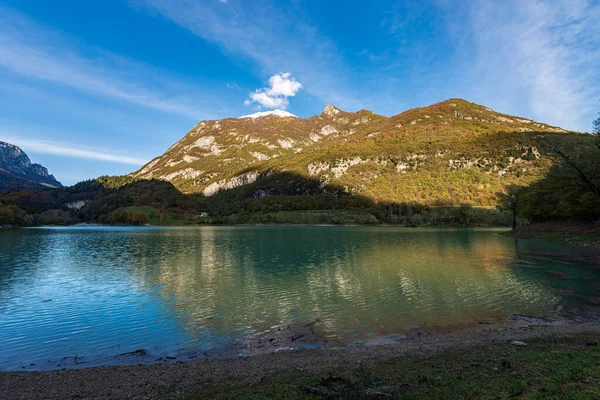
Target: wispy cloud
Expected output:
[30,50]
[281,86]
[277,36]
[233,85]
[544,52]
[68,150]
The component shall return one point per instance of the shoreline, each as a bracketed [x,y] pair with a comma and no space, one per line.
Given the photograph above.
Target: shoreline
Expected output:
[294,336]
[307,335]
[448,226]
[576,234]
[196,378]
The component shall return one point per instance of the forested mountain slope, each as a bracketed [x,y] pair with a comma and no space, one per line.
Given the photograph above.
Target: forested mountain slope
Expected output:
[448,153]
[446,164]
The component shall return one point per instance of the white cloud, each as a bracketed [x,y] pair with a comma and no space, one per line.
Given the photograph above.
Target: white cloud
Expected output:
[282,86]
[268,32]
[45,147]
[29,50]
[264,100]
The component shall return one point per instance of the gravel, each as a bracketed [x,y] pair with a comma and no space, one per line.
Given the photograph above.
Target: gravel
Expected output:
[175,380]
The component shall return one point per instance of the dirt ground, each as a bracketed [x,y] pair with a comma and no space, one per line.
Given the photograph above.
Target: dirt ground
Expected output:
[170,381]
[586,235]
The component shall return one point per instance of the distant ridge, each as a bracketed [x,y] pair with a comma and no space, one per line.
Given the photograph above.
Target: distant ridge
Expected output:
[18,172]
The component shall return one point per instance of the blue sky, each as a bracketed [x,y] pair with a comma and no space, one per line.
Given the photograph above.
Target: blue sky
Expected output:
[89,88]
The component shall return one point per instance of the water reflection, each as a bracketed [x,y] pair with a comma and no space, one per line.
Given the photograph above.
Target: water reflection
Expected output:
[106,291]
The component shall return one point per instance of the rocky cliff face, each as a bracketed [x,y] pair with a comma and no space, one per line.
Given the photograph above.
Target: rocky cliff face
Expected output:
[415,155]
[17,171]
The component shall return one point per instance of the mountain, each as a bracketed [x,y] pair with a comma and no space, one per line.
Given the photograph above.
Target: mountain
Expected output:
[18,172]
[451,163]
[451,152]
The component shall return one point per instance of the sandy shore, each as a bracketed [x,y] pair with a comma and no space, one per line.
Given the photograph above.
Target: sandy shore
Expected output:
[176,380]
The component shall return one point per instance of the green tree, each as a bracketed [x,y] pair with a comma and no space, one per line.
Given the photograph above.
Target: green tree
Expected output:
[509,200]
[581,163]
[465,214]
[11,215]
[137,218]
[56,217]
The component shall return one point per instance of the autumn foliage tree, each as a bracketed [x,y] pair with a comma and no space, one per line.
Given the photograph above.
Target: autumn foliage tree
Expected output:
[509,200]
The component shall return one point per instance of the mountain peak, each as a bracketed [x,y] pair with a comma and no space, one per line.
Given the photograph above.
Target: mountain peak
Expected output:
[277,113]
[17,171]
[331,110]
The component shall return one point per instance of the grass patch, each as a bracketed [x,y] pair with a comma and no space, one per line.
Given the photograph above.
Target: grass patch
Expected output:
[549,237]
[585,239]
[548,368]
[582,240]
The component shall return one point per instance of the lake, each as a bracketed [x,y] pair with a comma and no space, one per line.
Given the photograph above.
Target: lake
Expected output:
[81,296]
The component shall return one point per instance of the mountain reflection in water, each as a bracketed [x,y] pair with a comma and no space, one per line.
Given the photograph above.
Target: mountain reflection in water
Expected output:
[103,291]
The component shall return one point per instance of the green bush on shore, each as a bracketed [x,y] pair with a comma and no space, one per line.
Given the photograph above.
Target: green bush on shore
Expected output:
[11,215]
[128,218]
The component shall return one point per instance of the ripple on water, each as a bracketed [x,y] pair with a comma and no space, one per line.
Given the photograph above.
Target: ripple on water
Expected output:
[95,293]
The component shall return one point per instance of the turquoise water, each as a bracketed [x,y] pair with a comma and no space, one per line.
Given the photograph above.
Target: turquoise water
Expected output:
[93,293]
